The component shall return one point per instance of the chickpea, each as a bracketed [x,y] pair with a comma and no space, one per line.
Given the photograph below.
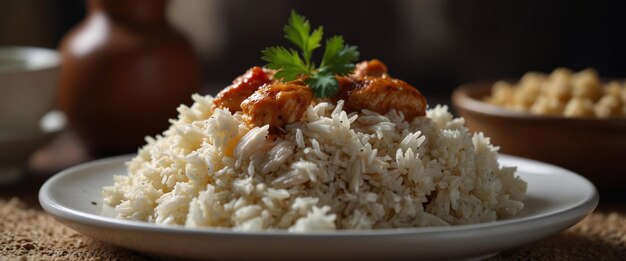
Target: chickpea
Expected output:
[547,106]
[586,84]
[502,93]
[624,97]
[531,82]
[562,92]
[559,84]
[579,107]
[608,106]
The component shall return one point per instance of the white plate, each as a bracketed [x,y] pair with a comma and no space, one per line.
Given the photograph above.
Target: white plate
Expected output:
[556,200]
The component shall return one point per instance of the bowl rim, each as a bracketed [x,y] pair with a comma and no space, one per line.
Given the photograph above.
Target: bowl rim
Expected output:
[463,98]
[35,59]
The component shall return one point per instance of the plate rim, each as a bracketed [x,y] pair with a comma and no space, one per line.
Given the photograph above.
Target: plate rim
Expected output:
[58,210]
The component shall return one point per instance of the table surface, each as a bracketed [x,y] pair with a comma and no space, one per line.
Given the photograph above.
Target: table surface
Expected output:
[26,231]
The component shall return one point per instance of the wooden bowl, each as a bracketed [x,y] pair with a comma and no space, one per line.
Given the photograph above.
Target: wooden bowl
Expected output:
[595,148]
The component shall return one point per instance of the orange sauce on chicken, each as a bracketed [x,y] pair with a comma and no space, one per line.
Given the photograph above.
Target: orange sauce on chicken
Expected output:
[277,104]
[244,86]
[264,100]
[370,87]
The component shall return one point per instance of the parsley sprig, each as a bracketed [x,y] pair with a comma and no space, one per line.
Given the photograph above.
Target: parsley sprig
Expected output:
[338,58]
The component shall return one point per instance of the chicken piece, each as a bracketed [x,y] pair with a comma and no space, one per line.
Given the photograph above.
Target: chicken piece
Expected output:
[242,87]
[373,68]
[383,94]
[370,87]
[277,104]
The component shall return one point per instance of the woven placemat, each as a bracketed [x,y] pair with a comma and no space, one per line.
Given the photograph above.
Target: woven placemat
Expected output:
[30,234]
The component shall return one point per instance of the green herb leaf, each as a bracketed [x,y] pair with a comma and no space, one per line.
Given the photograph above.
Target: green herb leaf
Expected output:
[287,62]
[323,85]
[313,43]
[333,45]
[297,30]
[338,58]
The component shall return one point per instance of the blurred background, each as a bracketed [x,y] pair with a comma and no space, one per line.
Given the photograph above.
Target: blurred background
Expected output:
[433,44]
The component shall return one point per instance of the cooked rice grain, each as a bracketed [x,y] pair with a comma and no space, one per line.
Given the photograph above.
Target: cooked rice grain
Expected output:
[332,170]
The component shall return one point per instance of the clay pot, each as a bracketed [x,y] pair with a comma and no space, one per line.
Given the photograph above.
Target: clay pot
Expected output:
[124,72]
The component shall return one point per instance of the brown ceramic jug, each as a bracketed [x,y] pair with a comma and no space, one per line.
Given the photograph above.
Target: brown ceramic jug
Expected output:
[124,72]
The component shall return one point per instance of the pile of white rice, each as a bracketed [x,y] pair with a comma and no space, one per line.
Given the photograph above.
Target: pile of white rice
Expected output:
[332,170]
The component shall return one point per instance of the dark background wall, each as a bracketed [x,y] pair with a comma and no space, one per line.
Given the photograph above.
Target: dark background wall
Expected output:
[435,45]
